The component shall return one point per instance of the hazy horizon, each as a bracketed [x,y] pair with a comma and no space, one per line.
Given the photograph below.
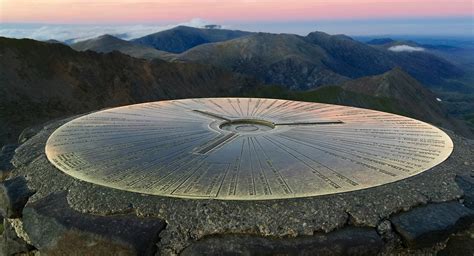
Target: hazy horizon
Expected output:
[440,27]
[84,19]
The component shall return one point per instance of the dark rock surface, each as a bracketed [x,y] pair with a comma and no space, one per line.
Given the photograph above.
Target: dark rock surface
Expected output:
[14,194]
[195,221]
[11,244]
[461,244]
[53,227]
[347,241]
[426,225]
[6,154]
[466,182]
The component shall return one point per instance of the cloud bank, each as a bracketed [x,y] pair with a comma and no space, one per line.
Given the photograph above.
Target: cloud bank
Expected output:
[405,48]
[75,33]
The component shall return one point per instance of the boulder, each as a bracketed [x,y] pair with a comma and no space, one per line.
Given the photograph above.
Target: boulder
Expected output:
[426,225]
[56,229]
[14,194]
[347,241]
[461,244]
[6,155]
[10,243]
[466,183]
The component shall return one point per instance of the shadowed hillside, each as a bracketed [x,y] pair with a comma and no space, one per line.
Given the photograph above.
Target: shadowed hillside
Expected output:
[108,43]
[182,38]
[317,59]
[274,58]
[41,81]
[394,91]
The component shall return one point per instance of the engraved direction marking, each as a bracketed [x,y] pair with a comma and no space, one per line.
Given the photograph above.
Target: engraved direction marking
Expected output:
[220,107]
[207,113]
[286,188]
[312,123]
[215,143]
[232,105]
[314,170]
[251,180]
[267,108]
[344,158]
[236,171]
[262,177]
[240,108]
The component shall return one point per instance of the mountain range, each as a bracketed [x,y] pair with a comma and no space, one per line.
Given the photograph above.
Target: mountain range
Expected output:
[297,62]
[182,38]
[301,63]
[44,80]
[394,91]
[108,43]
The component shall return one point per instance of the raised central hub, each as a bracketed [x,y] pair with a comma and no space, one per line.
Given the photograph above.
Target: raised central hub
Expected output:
[247,126]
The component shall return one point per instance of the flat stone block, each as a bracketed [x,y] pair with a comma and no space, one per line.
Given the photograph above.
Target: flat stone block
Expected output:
[426,225]
[56,229]
[14,194]
[347,241]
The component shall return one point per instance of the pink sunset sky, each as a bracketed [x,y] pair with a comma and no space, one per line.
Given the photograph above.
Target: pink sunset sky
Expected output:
[136,11]
[83,19]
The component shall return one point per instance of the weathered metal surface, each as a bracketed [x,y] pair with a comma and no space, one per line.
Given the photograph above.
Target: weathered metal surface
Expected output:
[244,148]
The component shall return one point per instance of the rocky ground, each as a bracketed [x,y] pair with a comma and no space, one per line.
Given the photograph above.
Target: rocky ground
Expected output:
[50,213]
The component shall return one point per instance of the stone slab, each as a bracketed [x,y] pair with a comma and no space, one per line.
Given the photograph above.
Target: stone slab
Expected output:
[466,182]
[10,243]
[56,229]
[6,155]
[461,244]
[426,225]
[347,241]
[14,194]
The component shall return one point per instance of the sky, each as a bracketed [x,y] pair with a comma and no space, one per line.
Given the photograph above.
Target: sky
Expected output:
[58,19]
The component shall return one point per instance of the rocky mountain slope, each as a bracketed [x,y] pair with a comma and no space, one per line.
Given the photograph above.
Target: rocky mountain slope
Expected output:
[394,91]
[274,58]
[182,38]
[108,43]
[411,97]
[317,59]
[40,81]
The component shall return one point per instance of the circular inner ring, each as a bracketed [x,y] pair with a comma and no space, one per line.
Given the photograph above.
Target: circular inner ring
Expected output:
[247,126]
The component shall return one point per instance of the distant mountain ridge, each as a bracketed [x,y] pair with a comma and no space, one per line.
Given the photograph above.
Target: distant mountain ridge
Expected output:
[40,81]
[182,38]
[108,43]
[412,98]
[274,58]
[317,59]
[298,62]
[394,91]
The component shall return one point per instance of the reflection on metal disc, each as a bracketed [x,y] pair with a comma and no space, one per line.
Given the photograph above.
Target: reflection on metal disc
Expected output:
[244,148]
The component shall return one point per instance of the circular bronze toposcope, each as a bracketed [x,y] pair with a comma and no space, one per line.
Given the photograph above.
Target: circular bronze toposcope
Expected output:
[244,148]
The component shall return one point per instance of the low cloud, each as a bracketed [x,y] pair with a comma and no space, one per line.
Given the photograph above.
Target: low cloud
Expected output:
[405,48]
[75,33]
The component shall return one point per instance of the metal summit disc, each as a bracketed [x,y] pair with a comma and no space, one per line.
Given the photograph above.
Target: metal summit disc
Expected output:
[244,148]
